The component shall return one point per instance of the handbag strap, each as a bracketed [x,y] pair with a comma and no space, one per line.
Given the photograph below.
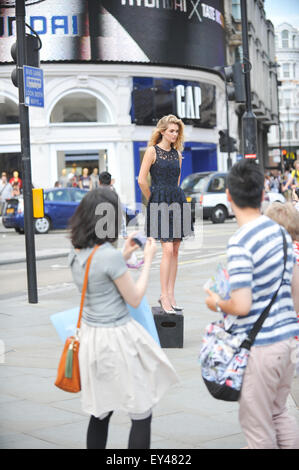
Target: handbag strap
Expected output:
[85,284]
[247,343]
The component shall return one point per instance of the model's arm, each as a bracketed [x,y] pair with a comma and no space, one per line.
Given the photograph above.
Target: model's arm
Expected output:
[147,162]
[180,159]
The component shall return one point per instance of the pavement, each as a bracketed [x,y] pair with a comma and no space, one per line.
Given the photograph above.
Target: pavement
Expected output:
[34,414]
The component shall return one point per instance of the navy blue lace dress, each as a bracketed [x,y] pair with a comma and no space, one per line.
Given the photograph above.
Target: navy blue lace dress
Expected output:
[168,216]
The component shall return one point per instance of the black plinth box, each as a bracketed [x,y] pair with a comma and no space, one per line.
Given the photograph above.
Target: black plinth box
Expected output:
[170,328]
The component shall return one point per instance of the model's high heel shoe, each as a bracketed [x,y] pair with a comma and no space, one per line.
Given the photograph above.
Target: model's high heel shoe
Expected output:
[177,308]
[168,312]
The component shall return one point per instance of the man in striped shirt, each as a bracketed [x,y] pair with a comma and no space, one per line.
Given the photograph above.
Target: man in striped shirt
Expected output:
[255,266]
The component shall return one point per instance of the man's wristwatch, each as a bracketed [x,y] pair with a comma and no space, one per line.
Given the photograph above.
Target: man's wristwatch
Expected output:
[218,308]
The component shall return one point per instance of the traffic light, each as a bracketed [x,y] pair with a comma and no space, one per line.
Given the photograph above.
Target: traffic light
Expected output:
[227,143]
[32,47]
[223,141]
[233,145]
[235,82]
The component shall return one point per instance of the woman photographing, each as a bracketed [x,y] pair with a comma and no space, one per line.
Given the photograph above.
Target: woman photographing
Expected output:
[167,206]
[121,365]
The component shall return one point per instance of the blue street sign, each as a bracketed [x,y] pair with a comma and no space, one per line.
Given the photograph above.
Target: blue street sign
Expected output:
[33,86]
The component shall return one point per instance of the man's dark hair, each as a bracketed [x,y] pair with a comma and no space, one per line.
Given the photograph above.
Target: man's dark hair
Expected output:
[96,220]
[105,178]
[245,183]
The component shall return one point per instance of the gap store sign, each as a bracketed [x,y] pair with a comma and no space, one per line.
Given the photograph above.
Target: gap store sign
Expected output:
[193,102]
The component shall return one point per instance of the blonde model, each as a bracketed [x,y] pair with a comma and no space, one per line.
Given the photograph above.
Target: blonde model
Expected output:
[166,201]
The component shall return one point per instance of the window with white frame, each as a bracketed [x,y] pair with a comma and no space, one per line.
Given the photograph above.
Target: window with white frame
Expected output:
[287,95]
[286,70]
[80,107]
[285,39]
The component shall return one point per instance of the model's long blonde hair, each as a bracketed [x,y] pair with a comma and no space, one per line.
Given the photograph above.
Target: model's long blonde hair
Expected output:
[162,125]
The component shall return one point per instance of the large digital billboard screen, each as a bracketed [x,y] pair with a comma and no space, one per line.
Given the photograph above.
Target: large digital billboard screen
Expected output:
[168,32]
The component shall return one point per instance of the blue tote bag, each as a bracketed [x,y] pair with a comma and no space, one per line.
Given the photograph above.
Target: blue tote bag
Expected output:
[143,315]
[65,322]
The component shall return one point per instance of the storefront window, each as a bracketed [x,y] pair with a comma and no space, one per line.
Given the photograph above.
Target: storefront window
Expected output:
[80,107]
[9,113]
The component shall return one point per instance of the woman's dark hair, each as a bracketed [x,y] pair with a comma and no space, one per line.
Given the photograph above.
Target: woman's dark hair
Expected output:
[97,219]
[245,183]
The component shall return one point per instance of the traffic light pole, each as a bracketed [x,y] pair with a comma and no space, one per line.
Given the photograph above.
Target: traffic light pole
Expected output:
[249,119]
[229,160]
[26,161]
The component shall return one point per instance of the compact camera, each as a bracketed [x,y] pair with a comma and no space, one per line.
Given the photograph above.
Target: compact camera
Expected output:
[139,239]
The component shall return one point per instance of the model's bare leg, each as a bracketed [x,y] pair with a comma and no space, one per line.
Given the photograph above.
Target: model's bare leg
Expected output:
[165,267]
[173,271]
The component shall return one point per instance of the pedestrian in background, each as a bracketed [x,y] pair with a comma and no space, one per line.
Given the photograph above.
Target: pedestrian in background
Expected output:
[287,216]
[5,190]
[105,180]
[73,177]
[84,180]
[121,365]
[163,160]
[16,191]
[16,179]
[295,198]
[63,179]
[256,266]
[293,179]
[95,182]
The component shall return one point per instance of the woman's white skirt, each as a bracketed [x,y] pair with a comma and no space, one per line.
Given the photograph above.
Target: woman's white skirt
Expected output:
[122,368]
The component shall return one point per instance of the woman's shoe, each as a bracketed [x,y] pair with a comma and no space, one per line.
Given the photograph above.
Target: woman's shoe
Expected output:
[177,308]
[168,312]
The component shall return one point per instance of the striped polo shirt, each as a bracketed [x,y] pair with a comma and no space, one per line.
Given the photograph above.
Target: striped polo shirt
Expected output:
[256,260]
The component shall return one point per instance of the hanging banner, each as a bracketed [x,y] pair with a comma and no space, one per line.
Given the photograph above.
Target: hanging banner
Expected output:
[168,32]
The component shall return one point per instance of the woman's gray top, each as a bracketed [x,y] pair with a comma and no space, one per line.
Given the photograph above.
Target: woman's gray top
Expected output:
[103,305]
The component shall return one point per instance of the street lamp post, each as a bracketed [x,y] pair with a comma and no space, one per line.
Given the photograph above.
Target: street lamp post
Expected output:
[289,132]
[229,160]
[274,65]
[249,118]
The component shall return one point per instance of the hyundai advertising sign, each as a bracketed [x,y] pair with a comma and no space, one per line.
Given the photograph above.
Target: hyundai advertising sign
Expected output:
[169,32]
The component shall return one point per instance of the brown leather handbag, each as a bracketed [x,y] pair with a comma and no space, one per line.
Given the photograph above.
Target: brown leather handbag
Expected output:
[68,374]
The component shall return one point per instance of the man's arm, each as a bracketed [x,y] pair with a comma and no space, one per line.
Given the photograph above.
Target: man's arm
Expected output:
[239,304]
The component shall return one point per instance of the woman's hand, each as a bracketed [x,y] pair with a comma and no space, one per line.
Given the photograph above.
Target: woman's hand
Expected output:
[150,249]
[129,246]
